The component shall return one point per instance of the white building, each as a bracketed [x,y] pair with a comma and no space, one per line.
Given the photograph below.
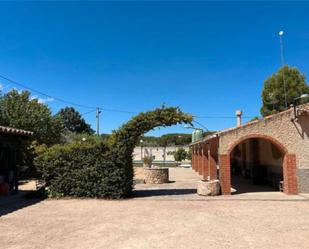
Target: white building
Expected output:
[159,154]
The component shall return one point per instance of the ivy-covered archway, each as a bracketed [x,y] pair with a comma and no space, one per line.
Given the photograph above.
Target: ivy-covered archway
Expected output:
[105,170]
[124,140]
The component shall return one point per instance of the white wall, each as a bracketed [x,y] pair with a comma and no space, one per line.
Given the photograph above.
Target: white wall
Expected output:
[157,152]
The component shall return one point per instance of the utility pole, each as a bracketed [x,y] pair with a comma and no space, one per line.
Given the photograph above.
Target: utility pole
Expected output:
[98,120]
[281,33]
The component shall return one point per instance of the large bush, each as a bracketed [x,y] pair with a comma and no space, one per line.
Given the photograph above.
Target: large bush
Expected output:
[90,170]
[79,170]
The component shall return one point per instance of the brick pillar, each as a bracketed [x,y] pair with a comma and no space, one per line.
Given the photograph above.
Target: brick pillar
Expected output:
[213,168]
[205,163]
[212,165]
[193,158]
[289,174]
[225,174]
[200,160]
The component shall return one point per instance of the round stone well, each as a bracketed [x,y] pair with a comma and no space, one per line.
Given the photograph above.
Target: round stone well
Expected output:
[156,175]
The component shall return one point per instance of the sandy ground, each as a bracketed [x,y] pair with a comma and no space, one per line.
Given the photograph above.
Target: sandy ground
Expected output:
[157,224]
[158,221]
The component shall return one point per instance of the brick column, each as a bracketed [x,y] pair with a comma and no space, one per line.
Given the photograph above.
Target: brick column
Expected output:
[200,160]
[289,174]
[225,174]
[193,158]
[212,165]
[205,162]
[213,168]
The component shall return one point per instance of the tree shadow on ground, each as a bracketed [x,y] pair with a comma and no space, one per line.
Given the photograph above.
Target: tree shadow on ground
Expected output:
[12,203]
[162,192]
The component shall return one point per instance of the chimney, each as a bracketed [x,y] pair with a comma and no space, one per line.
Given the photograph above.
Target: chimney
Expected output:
[238,115]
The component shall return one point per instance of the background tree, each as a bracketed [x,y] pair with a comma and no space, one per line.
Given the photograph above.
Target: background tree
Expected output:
[174,139]
[273,96]
[179,155]
[19,110]
[73,121]
[170,139]
[189,154]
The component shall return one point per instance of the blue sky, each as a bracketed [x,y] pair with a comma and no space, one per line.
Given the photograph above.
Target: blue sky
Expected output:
[209,58]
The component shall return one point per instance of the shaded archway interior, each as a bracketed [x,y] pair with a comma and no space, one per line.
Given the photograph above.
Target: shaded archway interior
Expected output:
[256,166]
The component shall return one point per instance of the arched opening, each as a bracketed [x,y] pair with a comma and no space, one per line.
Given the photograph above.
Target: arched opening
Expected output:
[257,165]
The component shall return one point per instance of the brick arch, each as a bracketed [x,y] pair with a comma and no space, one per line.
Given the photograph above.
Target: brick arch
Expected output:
[289,165]
[274,141]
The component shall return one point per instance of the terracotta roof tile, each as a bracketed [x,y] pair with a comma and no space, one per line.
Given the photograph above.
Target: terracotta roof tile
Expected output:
[10,130]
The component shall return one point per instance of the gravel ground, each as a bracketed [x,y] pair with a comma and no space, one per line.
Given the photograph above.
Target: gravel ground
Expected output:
[162,216]
[157,224]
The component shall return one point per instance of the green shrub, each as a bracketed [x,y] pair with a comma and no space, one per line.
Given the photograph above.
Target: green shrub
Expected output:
[80,170]
[106,170]
[179,155]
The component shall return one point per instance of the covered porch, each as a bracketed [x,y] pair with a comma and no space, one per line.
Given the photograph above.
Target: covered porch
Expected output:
[11,143]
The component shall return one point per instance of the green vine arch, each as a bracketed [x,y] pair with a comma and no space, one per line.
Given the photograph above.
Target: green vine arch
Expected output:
[124,140]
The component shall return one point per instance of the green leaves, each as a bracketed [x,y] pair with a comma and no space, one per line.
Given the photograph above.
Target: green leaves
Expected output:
[273,95]
[19,110]
[180,155]
[73,121]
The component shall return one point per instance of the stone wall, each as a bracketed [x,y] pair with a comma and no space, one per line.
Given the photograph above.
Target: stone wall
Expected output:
[290,136]
[293,135]
[303,180]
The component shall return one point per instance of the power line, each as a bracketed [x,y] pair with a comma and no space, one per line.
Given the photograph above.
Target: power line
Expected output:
[93,109]
[44,94]
[220,117]
[200,124]
[63,100]
[88,112]
[116,110]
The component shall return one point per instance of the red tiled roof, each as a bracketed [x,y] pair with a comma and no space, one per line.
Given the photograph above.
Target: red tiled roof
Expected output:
[10,130]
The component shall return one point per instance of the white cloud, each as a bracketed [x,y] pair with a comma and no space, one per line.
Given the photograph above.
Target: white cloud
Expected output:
[43,101]
[6,88]
[32,97]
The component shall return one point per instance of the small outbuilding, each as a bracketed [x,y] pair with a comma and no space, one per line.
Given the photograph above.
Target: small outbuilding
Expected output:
[270,152]
[11,140]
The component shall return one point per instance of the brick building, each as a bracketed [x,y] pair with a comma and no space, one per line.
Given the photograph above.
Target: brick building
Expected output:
[272,151]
